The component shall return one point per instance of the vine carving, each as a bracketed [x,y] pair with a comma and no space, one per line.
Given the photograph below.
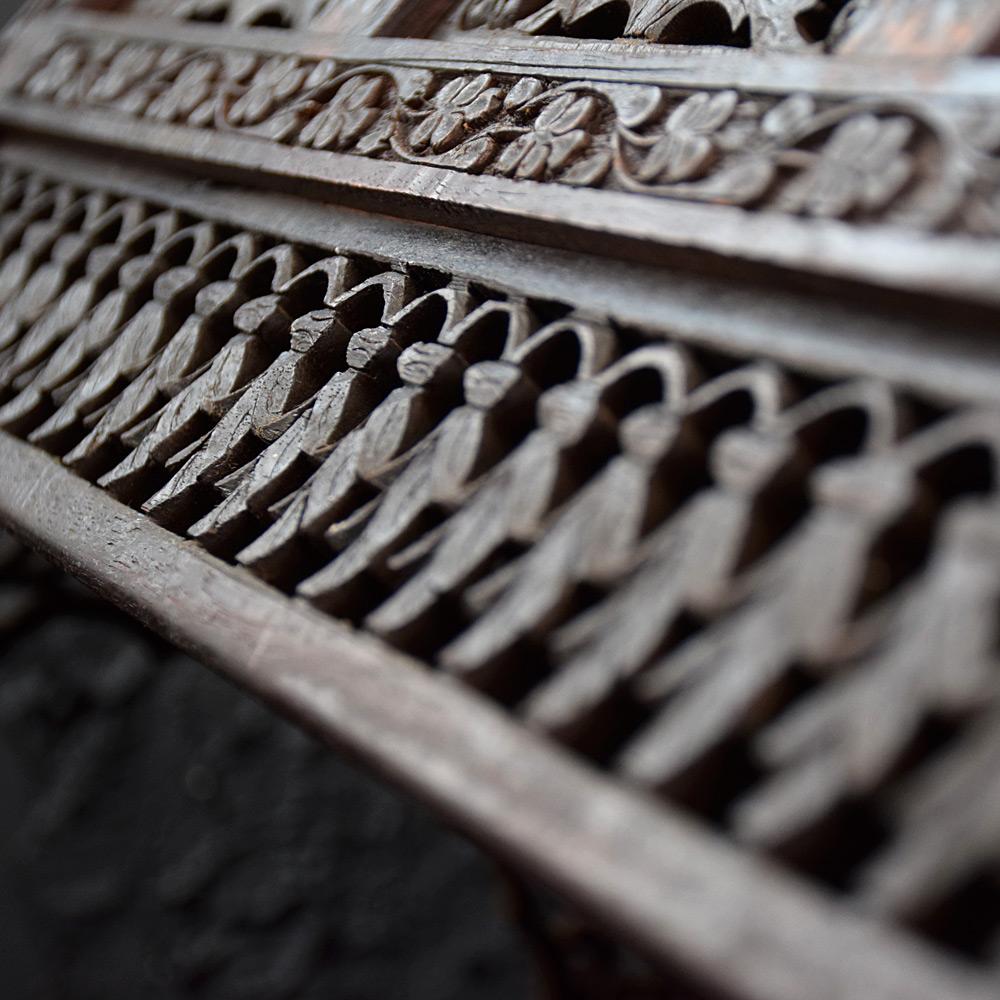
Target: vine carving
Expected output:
[856,159]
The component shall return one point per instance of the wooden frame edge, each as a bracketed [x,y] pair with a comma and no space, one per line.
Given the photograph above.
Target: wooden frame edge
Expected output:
[673,888]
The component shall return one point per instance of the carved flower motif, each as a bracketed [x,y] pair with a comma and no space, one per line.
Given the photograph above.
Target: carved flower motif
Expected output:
[350,112]
[130,67]
[862,166]
[458,106]
[557,136]
[274,82]
[59,72]
[686,148]
[192,85]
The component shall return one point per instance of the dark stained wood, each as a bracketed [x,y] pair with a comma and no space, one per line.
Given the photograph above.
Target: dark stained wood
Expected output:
[385,170]
[675,888]
[588,414]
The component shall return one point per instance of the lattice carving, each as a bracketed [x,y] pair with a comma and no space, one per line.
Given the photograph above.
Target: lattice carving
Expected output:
[766,24]
[766,595]
[342,16]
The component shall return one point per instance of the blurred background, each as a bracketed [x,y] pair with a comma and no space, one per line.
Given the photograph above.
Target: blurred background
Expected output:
[162,835]
[7,9]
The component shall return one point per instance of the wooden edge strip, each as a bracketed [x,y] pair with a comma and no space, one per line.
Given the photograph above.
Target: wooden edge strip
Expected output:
[560,215]
[671,887]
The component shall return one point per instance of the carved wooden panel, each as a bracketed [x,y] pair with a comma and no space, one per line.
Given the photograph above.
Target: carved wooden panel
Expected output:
[886,27]
[647,398]
[797,153]
[739,23]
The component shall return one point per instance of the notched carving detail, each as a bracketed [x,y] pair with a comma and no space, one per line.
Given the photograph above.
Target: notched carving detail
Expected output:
[764,24]
[767,595]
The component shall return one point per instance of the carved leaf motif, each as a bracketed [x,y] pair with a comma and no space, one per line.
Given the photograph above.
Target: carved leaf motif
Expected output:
[279,127]
[58,73]
[238,66]
[862,166]
[526,89]
[557,137]
[634,106]
[130,65]
[677,157]
[565,113]
[686,149]
[739,182]
[351,111]
[277,80]
[787,117]
[590,170]
[460,104]
[192,86]
[703,113]
[714,146]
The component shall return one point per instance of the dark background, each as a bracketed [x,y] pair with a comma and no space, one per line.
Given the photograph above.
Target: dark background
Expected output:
[7,9]
[163,835]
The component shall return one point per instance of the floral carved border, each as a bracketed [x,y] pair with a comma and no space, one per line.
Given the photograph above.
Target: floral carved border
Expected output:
[854,159]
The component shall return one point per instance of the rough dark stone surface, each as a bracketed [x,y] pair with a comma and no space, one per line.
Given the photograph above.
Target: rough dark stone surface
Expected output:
[165,836]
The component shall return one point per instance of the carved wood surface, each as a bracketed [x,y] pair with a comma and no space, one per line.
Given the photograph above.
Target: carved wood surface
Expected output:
[711,508]
[656,166]
[887,27]
[798,154]
[763,24]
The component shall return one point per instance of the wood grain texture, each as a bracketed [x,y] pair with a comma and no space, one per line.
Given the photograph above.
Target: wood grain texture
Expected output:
[637,404]
[676,889]
[655,552]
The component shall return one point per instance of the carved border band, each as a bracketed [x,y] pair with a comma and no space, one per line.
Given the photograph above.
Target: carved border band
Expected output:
[859,159]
